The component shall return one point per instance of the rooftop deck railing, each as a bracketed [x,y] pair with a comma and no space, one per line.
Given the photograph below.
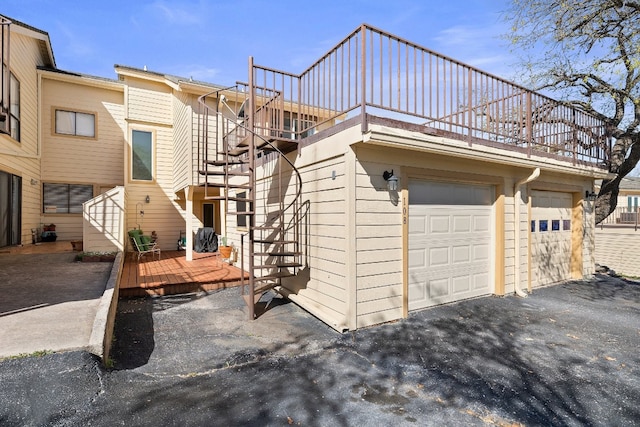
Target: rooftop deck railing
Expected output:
[375,73]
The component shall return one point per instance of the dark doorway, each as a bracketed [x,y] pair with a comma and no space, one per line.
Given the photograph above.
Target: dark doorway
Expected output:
[10,209]
[208,217]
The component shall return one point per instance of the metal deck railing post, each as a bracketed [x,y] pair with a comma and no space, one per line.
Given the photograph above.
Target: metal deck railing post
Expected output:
[252,188]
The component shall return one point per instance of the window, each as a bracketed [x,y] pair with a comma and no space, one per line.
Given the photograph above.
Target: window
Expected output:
[142,155]
[241,206]
[14,103]
[294,125]
[14,112]
[74,123]
[65,198]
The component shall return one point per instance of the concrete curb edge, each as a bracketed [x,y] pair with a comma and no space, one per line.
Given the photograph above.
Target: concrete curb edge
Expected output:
[103,324]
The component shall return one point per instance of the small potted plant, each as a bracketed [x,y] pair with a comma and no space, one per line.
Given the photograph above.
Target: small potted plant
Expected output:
[224,250]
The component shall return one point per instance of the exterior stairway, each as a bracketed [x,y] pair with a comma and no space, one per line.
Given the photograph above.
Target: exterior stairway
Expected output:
[231,147]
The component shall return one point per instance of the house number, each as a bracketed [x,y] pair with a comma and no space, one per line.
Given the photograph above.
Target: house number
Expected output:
[404,210]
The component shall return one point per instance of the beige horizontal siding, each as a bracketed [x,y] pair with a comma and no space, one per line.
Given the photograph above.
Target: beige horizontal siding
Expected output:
[25,57]
[68,227]
[618,249]
[163,214]
[380,292]
[21,157]
[72,159]
[389,229]
[182,144]
[379,245]
[324,290]
[376,256]
[381,316]
[392,302]
[380,280]
[103,222]
[149,102]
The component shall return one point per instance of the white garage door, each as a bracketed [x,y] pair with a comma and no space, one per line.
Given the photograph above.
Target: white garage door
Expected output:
[550,237]
[450,242]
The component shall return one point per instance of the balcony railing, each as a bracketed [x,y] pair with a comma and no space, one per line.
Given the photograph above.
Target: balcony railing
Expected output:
[373,73]
[622,216]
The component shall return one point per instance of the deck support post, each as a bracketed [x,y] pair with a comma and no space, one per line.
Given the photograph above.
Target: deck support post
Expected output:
[189,222]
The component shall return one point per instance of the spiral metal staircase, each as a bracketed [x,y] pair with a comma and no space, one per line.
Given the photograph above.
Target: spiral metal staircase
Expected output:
[239,131]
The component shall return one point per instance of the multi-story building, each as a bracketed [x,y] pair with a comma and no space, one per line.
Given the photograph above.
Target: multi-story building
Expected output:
[383,179]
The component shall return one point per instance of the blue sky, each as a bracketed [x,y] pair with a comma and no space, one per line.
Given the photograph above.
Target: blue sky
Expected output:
[212,40]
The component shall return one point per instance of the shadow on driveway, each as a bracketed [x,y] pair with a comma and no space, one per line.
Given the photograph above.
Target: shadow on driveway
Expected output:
[565,356]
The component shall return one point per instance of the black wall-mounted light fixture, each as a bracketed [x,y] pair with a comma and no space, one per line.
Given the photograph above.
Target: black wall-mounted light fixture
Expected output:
[590,195]
[392,180]
[147,199]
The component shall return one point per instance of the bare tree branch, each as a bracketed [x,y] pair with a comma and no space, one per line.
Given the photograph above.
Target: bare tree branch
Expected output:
[588,51]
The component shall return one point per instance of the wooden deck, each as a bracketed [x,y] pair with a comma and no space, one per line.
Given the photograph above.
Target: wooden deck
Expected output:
[172,274]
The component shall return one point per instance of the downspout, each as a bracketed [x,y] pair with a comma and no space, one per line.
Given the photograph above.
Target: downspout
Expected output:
[516,219]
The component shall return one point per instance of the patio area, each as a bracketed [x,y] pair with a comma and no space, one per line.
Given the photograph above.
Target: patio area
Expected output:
[172,274]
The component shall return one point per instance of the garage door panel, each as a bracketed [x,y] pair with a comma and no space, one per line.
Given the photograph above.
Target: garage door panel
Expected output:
[462,223]
[418,290]
[417,224]
[457,242]
[481,252]
[417,258]
[482,223]
[461,284]
[438,257]
[439,224]
[461,254]
[438,288]
[481,283]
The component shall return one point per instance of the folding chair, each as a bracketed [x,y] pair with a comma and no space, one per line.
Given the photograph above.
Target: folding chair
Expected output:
[143,245]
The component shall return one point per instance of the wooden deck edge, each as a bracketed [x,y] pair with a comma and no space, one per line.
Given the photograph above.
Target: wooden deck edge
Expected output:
[177,288]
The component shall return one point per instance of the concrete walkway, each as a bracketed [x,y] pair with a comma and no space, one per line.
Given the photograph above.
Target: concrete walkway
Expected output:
[48,301]
[565,356]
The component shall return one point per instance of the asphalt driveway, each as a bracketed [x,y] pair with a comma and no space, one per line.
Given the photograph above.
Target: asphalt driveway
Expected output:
[567,355]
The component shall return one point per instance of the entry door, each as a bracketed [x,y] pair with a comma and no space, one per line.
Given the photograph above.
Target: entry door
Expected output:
[551,213]
[450,242]
[10,209]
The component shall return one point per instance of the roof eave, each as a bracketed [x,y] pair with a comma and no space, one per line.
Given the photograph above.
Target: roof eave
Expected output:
[37,34]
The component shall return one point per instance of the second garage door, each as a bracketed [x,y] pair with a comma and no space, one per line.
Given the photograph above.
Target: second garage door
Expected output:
[550,237]
[450,242]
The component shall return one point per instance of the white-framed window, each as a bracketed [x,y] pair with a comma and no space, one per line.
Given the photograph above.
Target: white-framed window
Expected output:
[75,123]
[241,206]
[294,124]
[65,198]
[141,155]
[12,124]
